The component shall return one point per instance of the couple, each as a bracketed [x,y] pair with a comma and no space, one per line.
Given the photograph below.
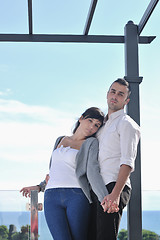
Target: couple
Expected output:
[81,162]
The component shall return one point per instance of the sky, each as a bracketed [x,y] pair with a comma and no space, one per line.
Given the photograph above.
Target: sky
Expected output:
[45,87]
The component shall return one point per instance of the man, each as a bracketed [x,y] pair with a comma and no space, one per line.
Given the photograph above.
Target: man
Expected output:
[118,140]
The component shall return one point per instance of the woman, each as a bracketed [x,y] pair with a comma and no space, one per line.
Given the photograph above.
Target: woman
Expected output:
[74,170]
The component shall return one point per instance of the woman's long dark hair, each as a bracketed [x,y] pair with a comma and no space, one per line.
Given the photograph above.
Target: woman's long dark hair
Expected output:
[92,112]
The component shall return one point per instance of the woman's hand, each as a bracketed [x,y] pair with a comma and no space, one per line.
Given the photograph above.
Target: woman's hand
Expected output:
[110,204]
[26,191]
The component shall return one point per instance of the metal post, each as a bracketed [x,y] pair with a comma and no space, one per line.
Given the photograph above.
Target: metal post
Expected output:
[34,215]
[134,215]
[30,16]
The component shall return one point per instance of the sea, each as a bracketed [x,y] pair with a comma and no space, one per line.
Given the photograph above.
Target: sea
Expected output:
[150,221]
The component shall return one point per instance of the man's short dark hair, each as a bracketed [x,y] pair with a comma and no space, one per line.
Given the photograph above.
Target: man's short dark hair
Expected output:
[123,82]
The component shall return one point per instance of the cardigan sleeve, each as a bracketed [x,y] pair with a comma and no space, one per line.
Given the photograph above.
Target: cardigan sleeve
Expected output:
[81,166]
[93,172]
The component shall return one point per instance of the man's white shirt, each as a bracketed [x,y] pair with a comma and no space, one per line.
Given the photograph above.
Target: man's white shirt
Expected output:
[118,140]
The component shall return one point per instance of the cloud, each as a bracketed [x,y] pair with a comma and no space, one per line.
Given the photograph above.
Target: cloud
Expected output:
[5,93]
[149,163]
[18,111]
[150,132]
[28,132]
[27,136]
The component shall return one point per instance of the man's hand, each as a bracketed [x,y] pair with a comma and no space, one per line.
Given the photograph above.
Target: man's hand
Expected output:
[110,203]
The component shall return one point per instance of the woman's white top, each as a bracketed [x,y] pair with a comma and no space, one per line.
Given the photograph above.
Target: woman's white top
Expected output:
[62,171]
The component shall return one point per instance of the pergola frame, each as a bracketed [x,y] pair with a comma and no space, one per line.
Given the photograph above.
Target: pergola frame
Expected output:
[131,39]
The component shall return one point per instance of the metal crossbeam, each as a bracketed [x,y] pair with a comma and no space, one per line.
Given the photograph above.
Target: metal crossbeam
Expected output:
[90,16]
[147,15]
[70,38]
[30,16]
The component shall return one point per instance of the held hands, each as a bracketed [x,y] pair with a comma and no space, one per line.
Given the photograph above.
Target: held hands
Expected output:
[110,203]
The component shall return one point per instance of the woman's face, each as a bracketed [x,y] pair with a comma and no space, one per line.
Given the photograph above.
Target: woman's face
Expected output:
[89,126]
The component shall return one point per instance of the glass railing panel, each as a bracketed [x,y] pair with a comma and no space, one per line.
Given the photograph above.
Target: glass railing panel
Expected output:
[14,218]
[43,230]
[150,212]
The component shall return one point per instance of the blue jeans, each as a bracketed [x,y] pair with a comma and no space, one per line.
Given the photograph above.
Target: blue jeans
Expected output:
[67,213]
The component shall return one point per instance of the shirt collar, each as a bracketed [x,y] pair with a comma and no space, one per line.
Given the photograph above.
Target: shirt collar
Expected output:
[115,115]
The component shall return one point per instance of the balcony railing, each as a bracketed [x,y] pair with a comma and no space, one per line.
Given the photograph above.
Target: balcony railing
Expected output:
[15,215]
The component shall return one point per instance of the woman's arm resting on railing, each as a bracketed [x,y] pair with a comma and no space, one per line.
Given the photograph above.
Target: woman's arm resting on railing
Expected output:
[26,191]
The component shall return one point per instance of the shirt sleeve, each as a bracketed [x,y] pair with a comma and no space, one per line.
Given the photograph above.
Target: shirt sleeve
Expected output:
[93,172]
[129,138]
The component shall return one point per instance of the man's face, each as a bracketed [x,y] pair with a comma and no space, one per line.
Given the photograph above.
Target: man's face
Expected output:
[117,97]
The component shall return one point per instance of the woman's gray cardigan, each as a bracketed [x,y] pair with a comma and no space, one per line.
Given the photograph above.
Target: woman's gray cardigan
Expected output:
[87,169]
